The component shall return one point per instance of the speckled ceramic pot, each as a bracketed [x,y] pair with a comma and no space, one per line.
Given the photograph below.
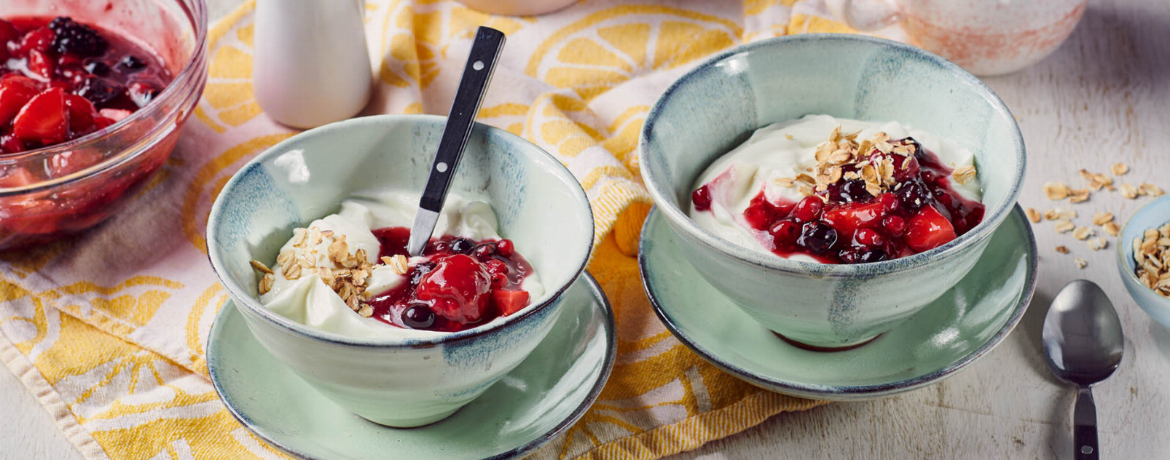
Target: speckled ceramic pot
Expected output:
[1153,215]
[720,103]
[399,381]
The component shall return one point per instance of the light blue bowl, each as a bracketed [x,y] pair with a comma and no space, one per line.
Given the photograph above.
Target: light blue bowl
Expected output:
[399,381]
[1153,215]
[720,103]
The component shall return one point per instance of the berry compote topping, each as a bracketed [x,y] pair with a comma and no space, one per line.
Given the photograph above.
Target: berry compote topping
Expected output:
[463,283]
[879,204]
[61,79]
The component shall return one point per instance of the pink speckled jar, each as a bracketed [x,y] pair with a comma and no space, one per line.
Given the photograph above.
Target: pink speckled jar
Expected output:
[985,37]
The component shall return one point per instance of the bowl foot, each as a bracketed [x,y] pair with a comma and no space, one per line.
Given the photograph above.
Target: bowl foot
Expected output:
[808,347]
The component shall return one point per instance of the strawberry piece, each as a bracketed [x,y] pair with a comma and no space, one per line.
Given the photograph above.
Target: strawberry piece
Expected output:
[457,286]
[81,114]
[928,230]
[41,64]
[43,119]
[64,164]
[16,177]
[15,92]
[100,122]
[508,301]
[40,39]
[848,218]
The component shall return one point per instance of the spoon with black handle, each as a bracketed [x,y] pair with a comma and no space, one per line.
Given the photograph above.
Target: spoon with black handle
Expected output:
[1083,344]
[477,74]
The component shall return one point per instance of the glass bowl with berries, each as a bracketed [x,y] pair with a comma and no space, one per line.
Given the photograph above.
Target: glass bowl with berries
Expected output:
[311,247]
[93,96]
[838,185]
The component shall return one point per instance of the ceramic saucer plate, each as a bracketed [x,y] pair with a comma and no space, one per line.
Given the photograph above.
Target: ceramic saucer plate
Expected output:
[946,336]
[546,394]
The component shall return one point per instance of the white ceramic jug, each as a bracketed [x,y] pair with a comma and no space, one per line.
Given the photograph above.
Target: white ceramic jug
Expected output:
[987,37]
[311,64]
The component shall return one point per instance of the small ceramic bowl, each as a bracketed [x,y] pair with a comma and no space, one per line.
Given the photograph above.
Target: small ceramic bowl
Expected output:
[1153,215]
[399,382]
[721,102]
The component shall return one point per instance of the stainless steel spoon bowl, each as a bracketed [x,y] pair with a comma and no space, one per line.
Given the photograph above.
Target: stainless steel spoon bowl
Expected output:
[1083,344]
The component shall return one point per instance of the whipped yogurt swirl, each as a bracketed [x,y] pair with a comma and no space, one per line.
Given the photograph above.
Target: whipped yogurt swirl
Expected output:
[309,301]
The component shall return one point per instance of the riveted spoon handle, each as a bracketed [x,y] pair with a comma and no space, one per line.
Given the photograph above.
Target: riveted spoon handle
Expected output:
[481,63]
[1085,426]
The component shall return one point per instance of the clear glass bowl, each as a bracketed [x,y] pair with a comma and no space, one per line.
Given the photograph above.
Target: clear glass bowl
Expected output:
[110,166]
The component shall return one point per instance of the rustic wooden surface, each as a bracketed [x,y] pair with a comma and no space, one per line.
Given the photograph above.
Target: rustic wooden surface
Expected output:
[1103,97]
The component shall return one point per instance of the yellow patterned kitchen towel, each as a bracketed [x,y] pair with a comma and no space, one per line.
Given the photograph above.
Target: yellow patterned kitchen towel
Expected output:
[109,329]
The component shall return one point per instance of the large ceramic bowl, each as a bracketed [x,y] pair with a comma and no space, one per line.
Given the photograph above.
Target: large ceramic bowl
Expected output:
[1153,215]
[399,381]
[40,203]
[720,103]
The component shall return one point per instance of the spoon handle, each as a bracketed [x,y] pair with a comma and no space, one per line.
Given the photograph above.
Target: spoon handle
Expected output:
[1085,425]
[481,63]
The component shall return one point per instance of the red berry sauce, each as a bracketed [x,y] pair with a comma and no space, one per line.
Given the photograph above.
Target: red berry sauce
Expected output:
[61,80]
[465,283]
[849,225]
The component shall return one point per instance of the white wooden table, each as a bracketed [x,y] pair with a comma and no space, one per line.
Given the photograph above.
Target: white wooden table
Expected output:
[1103,97]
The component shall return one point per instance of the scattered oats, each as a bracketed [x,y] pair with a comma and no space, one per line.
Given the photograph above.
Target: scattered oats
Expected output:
[964,174]
[851,175]
[1129,191]
[1064,226]
[1112,228]
[366,311]
[1062,249]
[353,302]
[314,236]
[386,260]
[1151,190]
[1119,169]
[1098,244]
[266,282]
[260,267]
[1102,218]
[805,190]
[1033,215]
[806,179]
[789,136]
[293,272]
[298,236]
[338,250]
[786,182]
[398,263]
[1096,181]
[1056,190]
[1081,263]
[1082,233]
[285,257]
[1078,196]
[327,234]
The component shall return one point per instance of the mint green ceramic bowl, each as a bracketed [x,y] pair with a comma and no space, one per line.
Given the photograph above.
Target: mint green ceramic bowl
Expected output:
[396,381]
[720,103]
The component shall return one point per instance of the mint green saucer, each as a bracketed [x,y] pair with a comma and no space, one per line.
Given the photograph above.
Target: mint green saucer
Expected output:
[946,336]
[546,394]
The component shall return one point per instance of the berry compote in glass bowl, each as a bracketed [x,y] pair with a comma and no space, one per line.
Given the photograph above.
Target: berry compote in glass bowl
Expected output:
[61,80]
[93,96]
[878,204]
[463,283]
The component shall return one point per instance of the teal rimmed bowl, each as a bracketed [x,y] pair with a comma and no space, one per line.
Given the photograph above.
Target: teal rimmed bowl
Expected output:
[721,102]
[395,381]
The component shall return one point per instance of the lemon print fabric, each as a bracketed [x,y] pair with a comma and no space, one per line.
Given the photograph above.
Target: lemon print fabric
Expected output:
[109,329]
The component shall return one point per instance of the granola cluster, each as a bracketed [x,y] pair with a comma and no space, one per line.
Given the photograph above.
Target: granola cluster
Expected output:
[349,276]
[843,157]
[1151,253]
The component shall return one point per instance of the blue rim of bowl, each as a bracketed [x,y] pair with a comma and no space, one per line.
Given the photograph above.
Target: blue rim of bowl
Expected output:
[606,370]
[852,391]
[1125,249]
[252,305]
[679,219]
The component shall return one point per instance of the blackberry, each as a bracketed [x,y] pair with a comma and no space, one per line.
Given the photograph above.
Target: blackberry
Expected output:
[418,316]
[131,63]
[76,38]
[97,68]
[99,91]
